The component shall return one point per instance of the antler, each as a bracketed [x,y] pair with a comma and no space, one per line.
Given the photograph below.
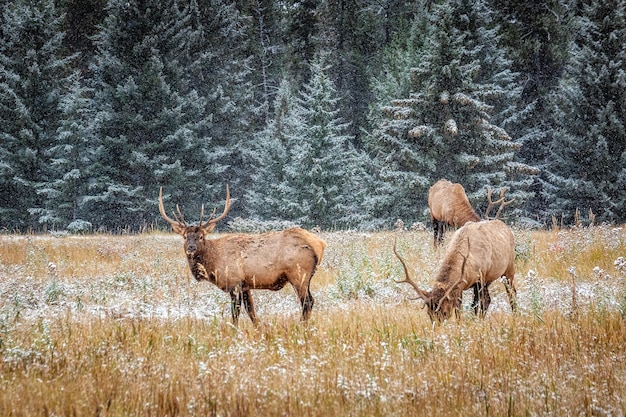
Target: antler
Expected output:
[179,217]
[422,294]
[174,223]
[221,216]
[499,201]
[178,223]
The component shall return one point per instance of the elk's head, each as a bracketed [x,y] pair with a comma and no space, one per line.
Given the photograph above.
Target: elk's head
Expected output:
[194,235]
[441,302]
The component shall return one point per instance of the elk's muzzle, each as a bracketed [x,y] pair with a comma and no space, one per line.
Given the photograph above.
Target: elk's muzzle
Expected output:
[190,248]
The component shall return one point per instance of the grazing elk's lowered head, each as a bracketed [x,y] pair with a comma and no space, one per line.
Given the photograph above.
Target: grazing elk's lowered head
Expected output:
[238,263]
[478,254]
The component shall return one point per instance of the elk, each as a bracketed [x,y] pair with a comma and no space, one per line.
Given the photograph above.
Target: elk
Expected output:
[448,205]
[478,254]
[239,263]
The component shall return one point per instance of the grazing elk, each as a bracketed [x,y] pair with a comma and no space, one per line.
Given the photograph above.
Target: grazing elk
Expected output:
[479,253]
[239,263]
[448,205]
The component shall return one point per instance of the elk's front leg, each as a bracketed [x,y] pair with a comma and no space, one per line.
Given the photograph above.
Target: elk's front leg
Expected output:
[437,232]
[236,296]
[482,299]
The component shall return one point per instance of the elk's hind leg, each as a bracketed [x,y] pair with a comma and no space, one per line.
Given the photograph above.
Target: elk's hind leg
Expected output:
[438,229]
[249,304]
[301,285]
[307,305]
[509,286]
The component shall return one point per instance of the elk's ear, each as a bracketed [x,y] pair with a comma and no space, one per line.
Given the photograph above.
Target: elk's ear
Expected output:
[178,228]
[209,228]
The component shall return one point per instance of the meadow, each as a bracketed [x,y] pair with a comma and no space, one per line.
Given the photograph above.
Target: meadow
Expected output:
[116,326]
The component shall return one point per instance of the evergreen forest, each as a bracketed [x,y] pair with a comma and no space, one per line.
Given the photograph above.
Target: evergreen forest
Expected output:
[335,114]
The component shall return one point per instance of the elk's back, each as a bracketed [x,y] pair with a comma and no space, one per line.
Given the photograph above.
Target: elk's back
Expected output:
[448,203]
[264,259]
[491,248]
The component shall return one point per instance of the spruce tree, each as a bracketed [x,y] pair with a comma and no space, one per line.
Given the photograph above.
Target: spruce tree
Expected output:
[270,155]
[147,117]
[588,160]
[69,158]
[536,35]
[218,67]
[404,52]
[324,173]
[35,72]
[450,124]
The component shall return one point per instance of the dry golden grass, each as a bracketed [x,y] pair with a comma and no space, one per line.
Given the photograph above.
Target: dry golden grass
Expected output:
[114,326]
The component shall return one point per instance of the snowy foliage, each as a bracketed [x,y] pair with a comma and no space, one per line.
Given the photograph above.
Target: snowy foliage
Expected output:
[308,171]
[588,163]
[101,103]
[35,72]
[443,128]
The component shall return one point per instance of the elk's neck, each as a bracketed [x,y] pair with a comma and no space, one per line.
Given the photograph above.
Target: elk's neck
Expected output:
[467,215]
[449,274]
[201,262]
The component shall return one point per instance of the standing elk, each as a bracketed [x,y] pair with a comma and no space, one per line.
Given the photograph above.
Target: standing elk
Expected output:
[478,254]
[239,263]
[450,206]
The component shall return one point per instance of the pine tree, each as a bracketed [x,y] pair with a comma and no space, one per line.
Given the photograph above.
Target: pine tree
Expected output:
[70,161]
[589,143]
[324,171]
[147,116]
[450,125]
[263,25]
[270,156]
[404,52]
[34,74]
[536,35]
[219,68]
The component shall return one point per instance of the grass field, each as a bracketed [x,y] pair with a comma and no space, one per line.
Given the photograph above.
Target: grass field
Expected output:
[113,326]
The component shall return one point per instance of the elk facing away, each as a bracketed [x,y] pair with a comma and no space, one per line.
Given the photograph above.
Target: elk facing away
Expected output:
[478,254]
[239,263]
[449,205]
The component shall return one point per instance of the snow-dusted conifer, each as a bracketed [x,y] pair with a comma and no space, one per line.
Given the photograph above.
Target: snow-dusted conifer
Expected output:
[147,116]
[450,123]
[269,157]
[218,67]
[69,159]
[588,161]
[34,75]
[324,172]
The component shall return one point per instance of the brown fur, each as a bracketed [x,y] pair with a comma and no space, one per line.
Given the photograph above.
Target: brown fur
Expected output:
[239,263]
[478,254]
[449,205]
